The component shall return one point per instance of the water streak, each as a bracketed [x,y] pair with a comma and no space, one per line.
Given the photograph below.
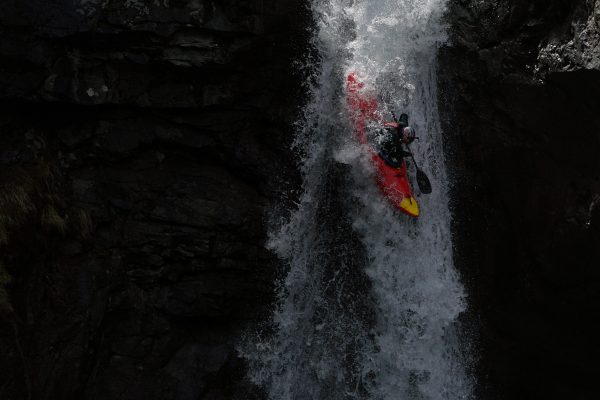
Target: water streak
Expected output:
[369,304]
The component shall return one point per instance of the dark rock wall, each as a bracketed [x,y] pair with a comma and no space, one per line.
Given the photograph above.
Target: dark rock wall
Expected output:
[140,144]
[521,113]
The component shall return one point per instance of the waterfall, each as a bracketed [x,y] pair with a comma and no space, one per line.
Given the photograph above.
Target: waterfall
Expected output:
[368,305]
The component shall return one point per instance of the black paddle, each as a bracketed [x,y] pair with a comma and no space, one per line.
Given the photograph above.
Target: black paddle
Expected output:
[422,179]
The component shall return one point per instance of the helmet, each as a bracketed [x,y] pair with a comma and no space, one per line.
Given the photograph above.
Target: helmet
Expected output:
[408,135]
[403,119]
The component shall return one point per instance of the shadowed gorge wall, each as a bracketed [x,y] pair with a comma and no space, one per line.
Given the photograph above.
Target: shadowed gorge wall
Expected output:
[141,142]
[519,85]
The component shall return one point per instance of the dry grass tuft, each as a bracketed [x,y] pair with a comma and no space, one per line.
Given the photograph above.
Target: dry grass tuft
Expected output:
[85,223]
[52,221]
[20,190]
[5,306]
[15,205]
[80,223]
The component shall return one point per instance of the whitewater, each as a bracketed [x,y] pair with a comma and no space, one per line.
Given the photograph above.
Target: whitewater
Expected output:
[369,303]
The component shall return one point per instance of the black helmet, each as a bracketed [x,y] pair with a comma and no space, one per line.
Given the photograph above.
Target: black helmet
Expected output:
[403,119]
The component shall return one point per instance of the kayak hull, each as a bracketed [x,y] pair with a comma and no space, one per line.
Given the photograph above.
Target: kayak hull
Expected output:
[392,182]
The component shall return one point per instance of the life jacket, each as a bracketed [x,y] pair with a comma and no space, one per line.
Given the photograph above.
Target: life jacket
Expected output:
[391,150]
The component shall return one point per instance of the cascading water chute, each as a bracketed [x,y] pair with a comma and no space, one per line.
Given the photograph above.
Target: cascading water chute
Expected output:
[369,303]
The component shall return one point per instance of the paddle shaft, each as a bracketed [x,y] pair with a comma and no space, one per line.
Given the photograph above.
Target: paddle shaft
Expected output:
[413,157]
[422,179]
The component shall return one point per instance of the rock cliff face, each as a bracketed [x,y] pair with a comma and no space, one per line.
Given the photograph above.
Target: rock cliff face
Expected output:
[520,83]
[140,144]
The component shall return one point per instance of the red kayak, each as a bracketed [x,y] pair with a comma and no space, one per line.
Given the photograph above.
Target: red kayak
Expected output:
[393,182]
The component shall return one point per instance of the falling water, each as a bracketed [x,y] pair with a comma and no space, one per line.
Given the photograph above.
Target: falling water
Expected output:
[369,303]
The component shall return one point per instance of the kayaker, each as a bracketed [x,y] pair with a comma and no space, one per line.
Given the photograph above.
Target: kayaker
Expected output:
[396,134]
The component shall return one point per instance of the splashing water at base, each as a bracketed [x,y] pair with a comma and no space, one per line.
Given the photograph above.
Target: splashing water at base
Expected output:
[369,305]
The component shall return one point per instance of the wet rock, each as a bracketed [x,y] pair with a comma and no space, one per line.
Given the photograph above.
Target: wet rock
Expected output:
[151,136]
[518,83]
[575,44]
[191,382]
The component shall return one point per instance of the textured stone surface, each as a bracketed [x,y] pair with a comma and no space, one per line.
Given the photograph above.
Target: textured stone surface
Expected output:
[141,142]
[524,138]
[575,44]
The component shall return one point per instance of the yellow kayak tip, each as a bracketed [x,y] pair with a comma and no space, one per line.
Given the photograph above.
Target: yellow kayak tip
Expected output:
[409,206]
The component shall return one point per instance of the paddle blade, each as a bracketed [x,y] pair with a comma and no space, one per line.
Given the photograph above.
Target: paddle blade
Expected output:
[423,182]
